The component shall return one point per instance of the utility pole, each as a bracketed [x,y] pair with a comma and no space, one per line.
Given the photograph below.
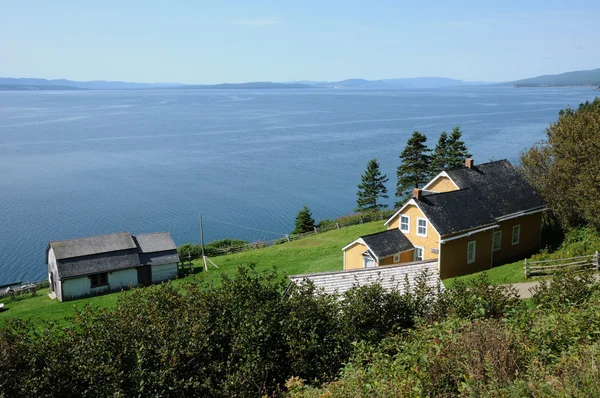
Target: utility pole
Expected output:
[204,258]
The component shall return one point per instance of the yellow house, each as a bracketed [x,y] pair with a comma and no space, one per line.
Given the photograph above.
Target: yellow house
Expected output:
[469,219]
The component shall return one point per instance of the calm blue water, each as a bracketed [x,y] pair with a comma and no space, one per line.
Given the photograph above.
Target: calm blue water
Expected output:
[74,164]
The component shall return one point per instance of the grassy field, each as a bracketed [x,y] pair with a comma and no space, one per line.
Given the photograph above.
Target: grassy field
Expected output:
[321,252]
[507,273]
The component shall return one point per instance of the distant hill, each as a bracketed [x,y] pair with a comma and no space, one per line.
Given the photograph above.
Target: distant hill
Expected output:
[577,78]
[63,84]
[415,82]
[251,85]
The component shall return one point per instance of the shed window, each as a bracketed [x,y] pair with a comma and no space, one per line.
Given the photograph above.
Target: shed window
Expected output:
[516,234]
[422,227]
[404,223]
[497,241]
[396,258]
[98,280]
[471,252]
[418,253]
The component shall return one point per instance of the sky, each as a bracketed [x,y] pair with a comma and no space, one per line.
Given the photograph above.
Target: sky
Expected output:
[202,42]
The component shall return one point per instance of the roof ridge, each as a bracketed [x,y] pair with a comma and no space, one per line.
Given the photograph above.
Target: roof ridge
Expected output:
[478,164]
[92,236]
[380,232]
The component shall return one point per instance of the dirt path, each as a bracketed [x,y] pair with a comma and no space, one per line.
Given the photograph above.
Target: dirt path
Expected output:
[524,287]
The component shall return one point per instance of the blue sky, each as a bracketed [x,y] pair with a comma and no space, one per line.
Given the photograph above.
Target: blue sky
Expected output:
[237,41]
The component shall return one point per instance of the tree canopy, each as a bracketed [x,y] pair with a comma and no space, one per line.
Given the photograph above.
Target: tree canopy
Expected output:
[565,168]
[371,188]
[304,221]
[414,166]
[457,150]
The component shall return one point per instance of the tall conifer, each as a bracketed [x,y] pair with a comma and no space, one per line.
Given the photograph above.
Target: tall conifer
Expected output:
[304,221]
[414,166]
[439,157]
[457,150]
[371,188]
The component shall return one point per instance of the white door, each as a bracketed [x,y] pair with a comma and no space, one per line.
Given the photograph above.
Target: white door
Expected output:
[369,262]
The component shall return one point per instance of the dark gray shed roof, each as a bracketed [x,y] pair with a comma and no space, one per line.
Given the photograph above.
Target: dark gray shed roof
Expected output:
[91,245]
[386,243]
[96,263]
[154,242]
[160,258]
[455,211]
[499,186]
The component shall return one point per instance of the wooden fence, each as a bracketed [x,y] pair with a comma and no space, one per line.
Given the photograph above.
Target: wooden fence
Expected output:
[545,267]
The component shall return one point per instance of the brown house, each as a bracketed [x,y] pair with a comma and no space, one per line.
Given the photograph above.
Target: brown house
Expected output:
[469,219]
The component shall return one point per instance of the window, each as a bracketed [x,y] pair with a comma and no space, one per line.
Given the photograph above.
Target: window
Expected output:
[497,241]
[516,234]
[404,223]
[98,280]
[368,262]
[421,227]
[396,258]
[471,252]
[418,256]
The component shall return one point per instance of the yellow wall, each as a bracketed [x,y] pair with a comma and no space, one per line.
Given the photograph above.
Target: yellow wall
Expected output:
[531,229]
[429,242]
[395,224]
[353,257]
[453,260]
[405,257]
[443,184]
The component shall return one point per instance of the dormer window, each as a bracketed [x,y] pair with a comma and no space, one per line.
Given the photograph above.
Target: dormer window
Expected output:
[405,224]
[422,227]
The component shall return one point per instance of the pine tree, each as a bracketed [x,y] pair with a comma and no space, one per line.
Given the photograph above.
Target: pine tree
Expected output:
[304,221]
[439,157]
[457,150]
[371,188]
[414,166]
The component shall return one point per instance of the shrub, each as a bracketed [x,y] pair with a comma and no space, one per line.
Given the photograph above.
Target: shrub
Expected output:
[564,289]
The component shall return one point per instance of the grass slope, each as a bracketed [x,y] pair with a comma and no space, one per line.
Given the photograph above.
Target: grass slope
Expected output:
[321,252]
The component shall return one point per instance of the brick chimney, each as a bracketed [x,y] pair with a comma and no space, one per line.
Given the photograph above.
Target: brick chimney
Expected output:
[417,194]
[469,163]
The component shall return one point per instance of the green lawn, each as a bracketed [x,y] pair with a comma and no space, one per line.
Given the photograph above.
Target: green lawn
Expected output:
[321,252]
[507,273]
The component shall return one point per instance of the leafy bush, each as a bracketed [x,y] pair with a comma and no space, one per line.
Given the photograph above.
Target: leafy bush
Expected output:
[564,289]
[211,249]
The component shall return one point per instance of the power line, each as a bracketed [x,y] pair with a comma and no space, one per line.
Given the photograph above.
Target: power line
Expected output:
[241,226]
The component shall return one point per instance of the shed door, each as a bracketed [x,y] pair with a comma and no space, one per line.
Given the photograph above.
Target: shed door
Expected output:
[144,274]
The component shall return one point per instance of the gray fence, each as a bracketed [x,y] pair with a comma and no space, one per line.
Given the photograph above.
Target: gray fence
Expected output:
[546,267]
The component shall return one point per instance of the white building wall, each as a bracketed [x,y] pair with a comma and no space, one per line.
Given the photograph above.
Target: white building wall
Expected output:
[52,269]
[163,272]
[81,287]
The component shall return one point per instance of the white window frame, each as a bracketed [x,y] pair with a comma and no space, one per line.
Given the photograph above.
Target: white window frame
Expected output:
[471,259]
[518,229]
[422,253]
[407,230]
[365,261]
[396,258]
[499,240]
[426,227]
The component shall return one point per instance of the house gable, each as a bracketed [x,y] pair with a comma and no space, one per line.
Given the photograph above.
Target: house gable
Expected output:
[441,183]
[353,254]
[427,243]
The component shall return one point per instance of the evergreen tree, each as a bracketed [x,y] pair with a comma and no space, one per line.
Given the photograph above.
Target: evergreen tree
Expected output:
[371,188]
[457,150]
[439,157]
[414,165]
[304,221]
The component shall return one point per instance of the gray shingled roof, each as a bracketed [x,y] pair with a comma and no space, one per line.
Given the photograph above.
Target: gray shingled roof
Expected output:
[455,211]
[390,277]
[80,247]
[160,258]
[155,242]
[499,186]
[96,263]
[386,243]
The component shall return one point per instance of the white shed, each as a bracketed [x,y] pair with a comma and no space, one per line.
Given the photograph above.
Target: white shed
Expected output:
[100,264]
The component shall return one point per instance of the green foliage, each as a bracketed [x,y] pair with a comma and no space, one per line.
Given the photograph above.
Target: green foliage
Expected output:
[564,168]
[457,150]
[304,221]
[439,156]
[211,249]
[371,188]
[564,289]
[414,165]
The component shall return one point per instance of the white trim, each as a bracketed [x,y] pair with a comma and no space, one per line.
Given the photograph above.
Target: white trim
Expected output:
[474,242]
[521,213]
[359,240]
[426,223]
[422,253]
[469,233]
[365,262]
[410,202]
[442,174]
[400,223]
[494,240]
[512,236]
[394,258]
